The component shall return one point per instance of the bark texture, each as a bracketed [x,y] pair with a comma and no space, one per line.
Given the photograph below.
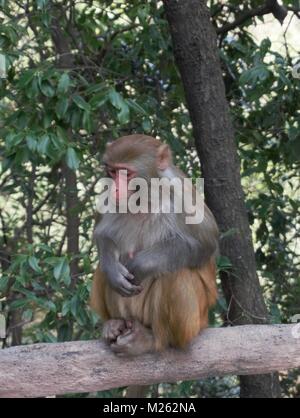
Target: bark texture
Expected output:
[195,49]
[89,366]
[62,46]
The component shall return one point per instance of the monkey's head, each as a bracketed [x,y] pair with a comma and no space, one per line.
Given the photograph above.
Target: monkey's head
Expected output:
[135,156]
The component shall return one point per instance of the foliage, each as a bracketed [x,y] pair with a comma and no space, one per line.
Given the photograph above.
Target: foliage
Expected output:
[81,73]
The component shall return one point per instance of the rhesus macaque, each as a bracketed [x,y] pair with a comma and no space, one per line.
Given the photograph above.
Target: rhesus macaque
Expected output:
[157,274]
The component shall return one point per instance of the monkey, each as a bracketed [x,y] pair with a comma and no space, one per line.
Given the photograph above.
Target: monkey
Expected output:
[157,275]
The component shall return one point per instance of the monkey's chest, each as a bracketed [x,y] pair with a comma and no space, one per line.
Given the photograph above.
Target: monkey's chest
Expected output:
[135,233]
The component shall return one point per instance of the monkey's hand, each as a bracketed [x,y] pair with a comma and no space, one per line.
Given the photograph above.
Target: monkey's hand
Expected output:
[140,266]
[168,256]
[121,280]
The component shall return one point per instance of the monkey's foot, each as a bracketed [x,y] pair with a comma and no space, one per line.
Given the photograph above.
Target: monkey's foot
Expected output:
[112,329]
[135,340]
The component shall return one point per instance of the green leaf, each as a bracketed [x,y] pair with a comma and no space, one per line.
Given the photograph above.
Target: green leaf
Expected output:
[262,72]
[136,107]
[34,264]
[46,337]
[26,78]
[98,100]
[275,314]
[67,279]
[147,125]
[20,303]
[81,103]
[119,103]
[96,88]
[47,89]
[123,115]
[81,316]
[64,83]
[61,107]
[76,119]
[43,144]
[50,305]
[52,261]
[116,99]
[32,89]
[223,263]
[57,143]
[245,77]
[47,120]
[13,139]
[62,134]
[31,142]
[253,75]
[3,283]
[27,315]
[293,133]
[61,269]
[65,308]
[72,159]
[265,46]
[143,13]
[87,121]
[64,332]
[293,150]
[41,4]
[74,305]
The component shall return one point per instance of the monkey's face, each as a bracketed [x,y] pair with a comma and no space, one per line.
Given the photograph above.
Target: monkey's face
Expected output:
[135,156]
[121,174]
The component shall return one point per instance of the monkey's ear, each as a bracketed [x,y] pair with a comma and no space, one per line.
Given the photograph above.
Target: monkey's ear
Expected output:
[164,157]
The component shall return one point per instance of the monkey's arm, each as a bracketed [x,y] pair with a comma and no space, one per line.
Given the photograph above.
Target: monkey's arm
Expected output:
[119,278]
[169,256]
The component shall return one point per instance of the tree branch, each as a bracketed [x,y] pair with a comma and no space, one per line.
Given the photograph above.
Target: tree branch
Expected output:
[270,6]
[295,10]
[89,366]
[107,43]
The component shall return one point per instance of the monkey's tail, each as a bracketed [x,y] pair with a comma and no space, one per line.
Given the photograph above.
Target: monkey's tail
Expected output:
[137,391]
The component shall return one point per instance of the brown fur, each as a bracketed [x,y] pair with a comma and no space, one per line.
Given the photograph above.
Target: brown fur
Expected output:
[128,148]
[175,306]
[172,308]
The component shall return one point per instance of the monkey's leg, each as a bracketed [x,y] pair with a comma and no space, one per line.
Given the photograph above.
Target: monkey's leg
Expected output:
[182,311]
[135,340]
[112,329]
[98,299]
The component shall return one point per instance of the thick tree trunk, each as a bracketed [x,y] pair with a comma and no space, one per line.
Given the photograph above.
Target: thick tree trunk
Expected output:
[73,221]
[65,60]
[195,49]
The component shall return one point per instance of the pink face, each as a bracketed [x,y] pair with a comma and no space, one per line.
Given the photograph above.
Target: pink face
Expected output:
[121,174]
